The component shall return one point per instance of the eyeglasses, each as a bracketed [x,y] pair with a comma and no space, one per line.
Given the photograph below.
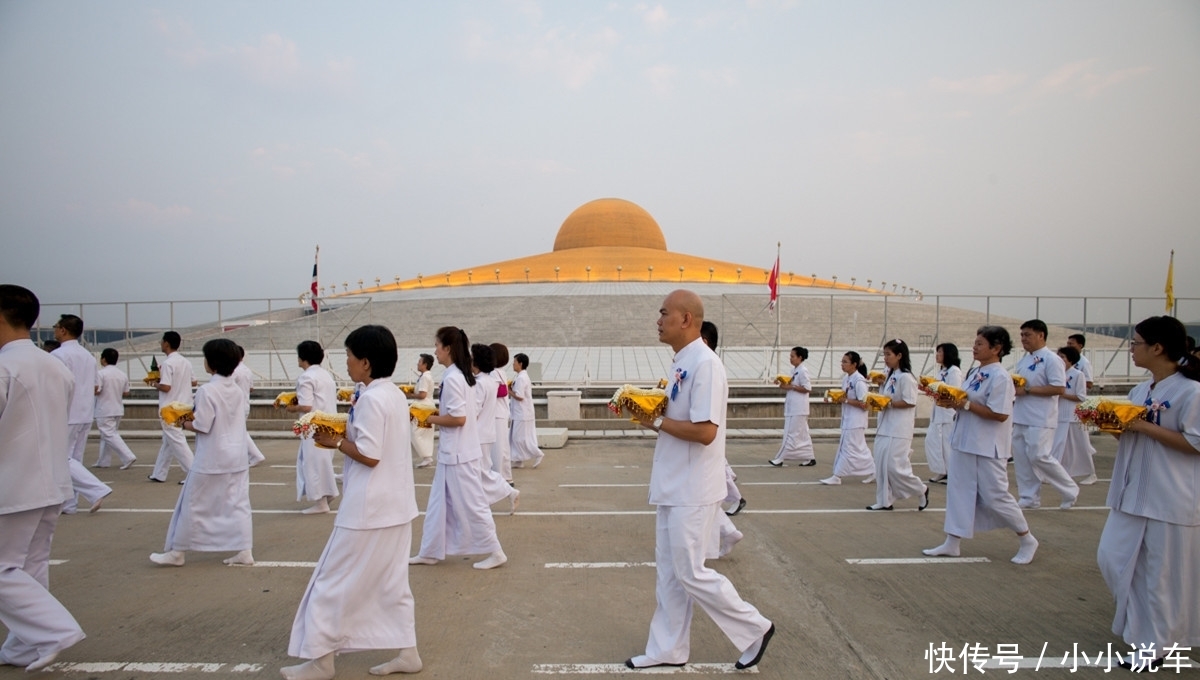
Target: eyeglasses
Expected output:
[1136,343]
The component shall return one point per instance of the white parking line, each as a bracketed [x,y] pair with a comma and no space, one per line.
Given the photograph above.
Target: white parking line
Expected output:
[597,565]
[298,565]
[154,667]
[269,484]
[620,669]
[918,560]
[602,486]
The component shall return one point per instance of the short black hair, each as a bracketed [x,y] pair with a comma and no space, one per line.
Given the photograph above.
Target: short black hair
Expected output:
[1037,326]
[1078,338]
[427,359]
[51,345]
[997,336]
[172,339]
[949,354]
[708,332]
[801,352]
[521,358]
[72,324]
[221,355]
[19,306]
[110,356]
[377,345]
[1069,353]
[311,352]
[482,358]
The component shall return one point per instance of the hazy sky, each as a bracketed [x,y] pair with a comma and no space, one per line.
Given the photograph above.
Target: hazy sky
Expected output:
[184,150]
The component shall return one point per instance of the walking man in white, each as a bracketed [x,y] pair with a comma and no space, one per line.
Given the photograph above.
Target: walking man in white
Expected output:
[81,411]
[1035,417]
[687,484]
[174,384]
[110,408]
[35,392]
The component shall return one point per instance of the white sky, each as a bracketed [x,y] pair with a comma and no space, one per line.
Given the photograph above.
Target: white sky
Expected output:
[187,150]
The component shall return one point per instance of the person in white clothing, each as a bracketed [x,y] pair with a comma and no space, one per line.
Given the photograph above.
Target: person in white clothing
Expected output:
[941,422]
[458,519]
[422,437]
[853,457]
[1035,417]
[110,408]
[1149,552]
[686,486]
[1072,446]
[244,377]
[315,391]
[35,394]
[359,596]
[1076,341]
[175,383]
[729,534]
[977,497]
[894,477]
[797,441]
[82,410]
[502,449]
[523,436]
[487,388]
[213,510]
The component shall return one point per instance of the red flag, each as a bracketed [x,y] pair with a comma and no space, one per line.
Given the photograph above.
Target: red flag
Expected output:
[773,283]
[313,289]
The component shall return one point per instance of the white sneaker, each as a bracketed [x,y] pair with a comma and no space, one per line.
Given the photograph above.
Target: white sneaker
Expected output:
[869,480]
[1089,480]
[171,558]
[832,481]
[494,560]
[417,559]
[728,541]
[425,462]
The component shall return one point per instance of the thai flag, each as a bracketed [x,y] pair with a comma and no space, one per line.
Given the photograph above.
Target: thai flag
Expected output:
[313,289]
[773,283]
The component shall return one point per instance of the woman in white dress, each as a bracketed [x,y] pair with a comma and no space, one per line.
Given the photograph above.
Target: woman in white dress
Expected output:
[422,437]
[1149,551]
[502,450]
[487,387]
[894,477]
[213,510]
[1072,447]
[458,519]
[523,436]
[315,391]
[853,457]
[977,496]
[941,422]
[359,597]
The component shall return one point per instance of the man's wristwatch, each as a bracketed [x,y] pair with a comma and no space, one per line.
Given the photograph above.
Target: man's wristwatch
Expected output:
[657,424]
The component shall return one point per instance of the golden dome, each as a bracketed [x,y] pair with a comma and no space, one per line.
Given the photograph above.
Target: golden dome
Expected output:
[609,222]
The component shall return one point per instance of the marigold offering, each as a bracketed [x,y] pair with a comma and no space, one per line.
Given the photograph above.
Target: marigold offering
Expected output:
[177,413]
[641,403]
[309,424]
[421,414]
[407,390]
[877,402]
[345,394]
[286,399]
[152,376]
[836,396]
[783,379]
[876,377]
[1109,415]
[1018,381]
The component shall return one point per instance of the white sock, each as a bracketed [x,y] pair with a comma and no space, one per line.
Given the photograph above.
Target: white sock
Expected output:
[1029,546]
[171,558]
[417,559]
[41,662]
[832,480]
[321,507]
[316,669]
[494,560]
[242,559]
[947,549]
[407,661]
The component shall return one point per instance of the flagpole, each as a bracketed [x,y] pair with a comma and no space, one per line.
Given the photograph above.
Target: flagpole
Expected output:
[1170,287]
[778,304]
[317,311]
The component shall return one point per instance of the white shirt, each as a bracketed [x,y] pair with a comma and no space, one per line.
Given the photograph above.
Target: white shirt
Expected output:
[220,423]
[502,408]
[86,373]
[113,386]
[315,388]
[991,386]
[1154,480]
[380,496]
[796,403]
[485,400]
[1085,367]
[458,444]
[1039,368]
[244,377]
[856,387]
[35,390]
[1077,387]
[424,384]
[176,372]
[689,473]
[522,409]
[952,376]
[898,422]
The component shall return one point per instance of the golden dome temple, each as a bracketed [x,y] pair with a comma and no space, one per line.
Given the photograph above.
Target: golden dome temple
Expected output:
[608,239]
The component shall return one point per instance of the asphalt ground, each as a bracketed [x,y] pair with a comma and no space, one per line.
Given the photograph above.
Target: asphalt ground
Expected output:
[577,593]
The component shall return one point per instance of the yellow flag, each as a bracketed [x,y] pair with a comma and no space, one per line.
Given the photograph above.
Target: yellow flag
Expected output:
[1170,289]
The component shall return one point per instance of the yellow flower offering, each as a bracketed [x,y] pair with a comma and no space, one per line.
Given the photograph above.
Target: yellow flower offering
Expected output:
[877,402]
[877,377]
[642,403]
[1019,381]
[783,379]
[311,423]
[286,399]
[836,396]
[421,414]
[177,413]
[345,394]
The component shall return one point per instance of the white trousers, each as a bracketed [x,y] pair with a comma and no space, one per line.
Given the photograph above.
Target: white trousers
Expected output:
[174,446]
[110,440]
[38,624]
[977,497]
[495,489]
[502,451]
[85,484]
[937,444]
[797,442]
[77,439]
[732,493]
[422,441]
[894,478]
[682,541]
[1033,457]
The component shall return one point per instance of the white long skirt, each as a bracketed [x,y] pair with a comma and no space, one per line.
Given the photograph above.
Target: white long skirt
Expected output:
[358,597]
[458,518]
[422,441]
[1153,571]
[797,441]
[977,497]
[212,514]
[937,444]
[853,457]
[502,450]
[523,440]
[495,489]
[894,478]
[1073,449]
[314,472]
